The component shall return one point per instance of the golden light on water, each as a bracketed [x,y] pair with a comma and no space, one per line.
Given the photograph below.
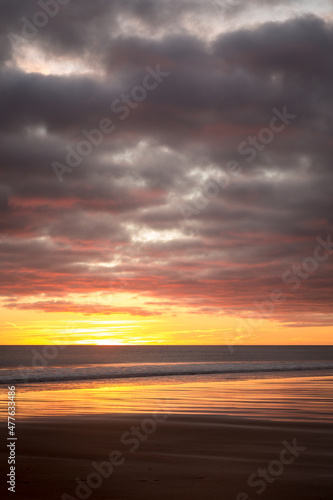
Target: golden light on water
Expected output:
[282,398]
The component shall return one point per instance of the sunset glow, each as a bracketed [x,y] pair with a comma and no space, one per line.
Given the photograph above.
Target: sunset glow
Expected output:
[168,186]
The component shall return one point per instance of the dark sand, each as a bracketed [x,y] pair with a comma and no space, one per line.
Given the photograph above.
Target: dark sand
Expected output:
[186,458]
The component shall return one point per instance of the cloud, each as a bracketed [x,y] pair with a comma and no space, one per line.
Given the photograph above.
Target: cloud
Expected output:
[61,306]
[117,215]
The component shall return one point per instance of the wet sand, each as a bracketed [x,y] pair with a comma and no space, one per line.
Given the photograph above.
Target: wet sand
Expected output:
[174,458]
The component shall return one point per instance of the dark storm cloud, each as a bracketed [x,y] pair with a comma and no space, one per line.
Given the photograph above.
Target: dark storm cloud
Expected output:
[120,206]
[300,47]
[56,102]
[83,28]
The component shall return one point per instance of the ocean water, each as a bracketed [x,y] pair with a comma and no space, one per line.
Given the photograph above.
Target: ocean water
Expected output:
[39,364]
[276,382]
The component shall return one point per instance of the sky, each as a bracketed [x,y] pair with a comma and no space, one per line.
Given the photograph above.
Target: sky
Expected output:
[166,172]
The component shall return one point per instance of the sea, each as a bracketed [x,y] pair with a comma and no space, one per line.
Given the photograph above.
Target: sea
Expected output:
[275,382]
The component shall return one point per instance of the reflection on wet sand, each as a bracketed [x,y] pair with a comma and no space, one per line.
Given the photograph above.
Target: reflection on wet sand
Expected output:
[303,398]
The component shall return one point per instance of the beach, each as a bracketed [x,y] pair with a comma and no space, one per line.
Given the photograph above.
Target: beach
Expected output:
[95,424]
[186,457]
[166,250]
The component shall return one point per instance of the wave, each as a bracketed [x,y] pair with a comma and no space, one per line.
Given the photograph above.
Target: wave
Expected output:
[117,371]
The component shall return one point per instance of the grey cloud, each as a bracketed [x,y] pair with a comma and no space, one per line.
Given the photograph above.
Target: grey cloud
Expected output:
[105,210]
